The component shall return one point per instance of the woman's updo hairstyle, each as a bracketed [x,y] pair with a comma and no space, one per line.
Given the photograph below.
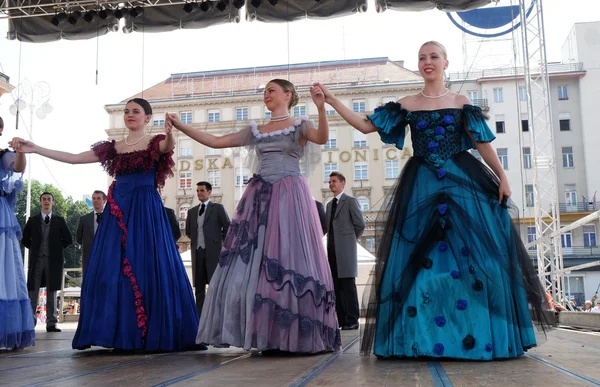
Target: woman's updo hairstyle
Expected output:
[288,86]
[143,103]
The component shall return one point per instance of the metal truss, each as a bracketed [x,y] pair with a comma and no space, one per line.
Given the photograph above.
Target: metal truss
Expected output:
[545,182]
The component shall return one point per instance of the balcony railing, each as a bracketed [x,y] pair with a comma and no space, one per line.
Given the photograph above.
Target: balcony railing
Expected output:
[510,71]
[482,103]
[575,252]
[4,77]
[577,207]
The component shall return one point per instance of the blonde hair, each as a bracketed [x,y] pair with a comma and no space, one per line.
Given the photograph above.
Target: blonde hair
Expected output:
[438,44]
[288,86]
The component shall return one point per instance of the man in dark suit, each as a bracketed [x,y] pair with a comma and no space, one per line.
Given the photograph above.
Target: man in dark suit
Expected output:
[346,225]
[206,225]
[88,225]
[174,223]
[322,216]
[46,235]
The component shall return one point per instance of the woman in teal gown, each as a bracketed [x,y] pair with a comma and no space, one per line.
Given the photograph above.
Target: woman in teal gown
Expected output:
[452,277]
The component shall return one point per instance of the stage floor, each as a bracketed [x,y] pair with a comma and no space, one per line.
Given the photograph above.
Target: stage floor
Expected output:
[567,358]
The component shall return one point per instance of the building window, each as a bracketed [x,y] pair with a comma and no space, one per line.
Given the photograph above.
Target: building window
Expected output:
[500,128]
[361,171]
[332,142]
[567,156]
[522,93]
[473,95]
[327,169]
[562,93]
[159,122]
[527,158]
[185,180]
[564,120]
[524,122]
[360,139]
[242,173]
[498,95]
[392,169]
[214,177]
[529,198]
[566,239]
[183,211]
[571,197]
[359,106]
[212,151]
[186,117]
[589,235]
[214,115]
[370,244]
[300,110]
[531,235]
[267,113]
[329,110]
[363,203]
[241,114]
[185,148]
[477,155]
[503,156]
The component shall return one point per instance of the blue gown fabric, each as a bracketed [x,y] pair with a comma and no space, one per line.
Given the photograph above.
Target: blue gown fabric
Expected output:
[453,278]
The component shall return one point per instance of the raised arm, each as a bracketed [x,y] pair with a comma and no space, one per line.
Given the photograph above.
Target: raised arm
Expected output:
[20,162]
[354,119]
[215,142]
[24,146]
[321,134]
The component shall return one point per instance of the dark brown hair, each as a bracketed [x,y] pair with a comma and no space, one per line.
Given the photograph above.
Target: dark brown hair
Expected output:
[340,177]
[143,103]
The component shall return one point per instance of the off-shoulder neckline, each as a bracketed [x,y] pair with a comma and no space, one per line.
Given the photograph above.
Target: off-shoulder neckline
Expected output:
[290,129]
[114,142]
[436,110]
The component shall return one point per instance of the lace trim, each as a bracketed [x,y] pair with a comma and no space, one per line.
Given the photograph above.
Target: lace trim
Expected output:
[257,133]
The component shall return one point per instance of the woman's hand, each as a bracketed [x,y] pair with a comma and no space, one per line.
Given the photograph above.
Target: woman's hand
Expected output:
[329,97]
[21,145]
[504,190]
[318,96]
[172,120]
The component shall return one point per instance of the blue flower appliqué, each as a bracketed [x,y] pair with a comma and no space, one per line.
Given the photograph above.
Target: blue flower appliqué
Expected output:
[455,274]
[489,347]
[438,138]
[435,116]
[422,125]
[465,251]
[439,349]
[461,304]
[450,128]
[440,321]
[442,208]
[443,246]
[440,130]
[441,173]
[432,145]
[448,119]
[429,132]
[436,160]
[412,311]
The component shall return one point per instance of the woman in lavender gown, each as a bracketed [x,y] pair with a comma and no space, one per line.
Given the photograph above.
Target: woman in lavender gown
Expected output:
[272,289]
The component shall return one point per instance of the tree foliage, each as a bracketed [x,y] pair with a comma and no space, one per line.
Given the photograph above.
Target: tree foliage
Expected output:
[68,208]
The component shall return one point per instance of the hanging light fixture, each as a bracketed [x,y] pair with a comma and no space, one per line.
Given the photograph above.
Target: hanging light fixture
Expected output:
[206,6]
[90,15]
[135,12]
[105,13]
[222,5]
[238,3]
[256,3]
[74,17]
[58,19]
[190,7]
[119,13]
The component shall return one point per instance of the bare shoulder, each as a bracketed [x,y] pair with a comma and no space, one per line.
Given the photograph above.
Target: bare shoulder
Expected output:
[461,100]
[409,102]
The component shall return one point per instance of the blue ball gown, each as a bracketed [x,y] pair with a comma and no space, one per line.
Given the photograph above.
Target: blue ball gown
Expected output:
[135,293]
[452,278]
[16,316]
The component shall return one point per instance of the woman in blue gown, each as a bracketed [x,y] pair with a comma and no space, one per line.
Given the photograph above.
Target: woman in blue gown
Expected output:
[135,293]
[16,320]
[452,277]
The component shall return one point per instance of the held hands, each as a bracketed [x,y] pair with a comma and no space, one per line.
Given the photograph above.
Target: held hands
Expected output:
[172,121]
[318,96]
[22,146]
[329,97]
[504,190]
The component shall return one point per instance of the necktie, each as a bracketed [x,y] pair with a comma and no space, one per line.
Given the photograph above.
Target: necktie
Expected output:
[47,219]
[202,207]
[98,217]
[330,233]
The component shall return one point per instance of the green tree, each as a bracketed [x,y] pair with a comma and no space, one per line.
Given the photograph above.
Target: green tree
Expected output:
[68,208]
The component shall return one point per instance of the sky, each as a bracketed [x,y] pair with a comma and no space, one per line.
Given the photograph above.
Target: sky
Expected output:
[128,64]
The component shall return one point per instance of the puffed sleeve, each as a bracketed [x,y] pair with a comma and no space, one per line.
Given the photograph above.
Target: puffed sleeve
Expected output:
[390,121]
[165,160]
[475,123]
[105,150]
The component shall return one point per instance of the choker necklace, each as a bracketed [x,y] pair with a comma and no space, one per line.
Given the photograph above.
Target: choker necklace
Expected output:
[281,118]
[139,139]
[435,96]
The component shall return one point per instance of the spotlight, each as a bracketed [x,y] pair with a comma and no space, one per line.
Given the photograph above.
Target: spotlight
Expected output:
[105,13]
[129,29]
[205,6]
[273,2]
[190,7]
[238,3]
[90,16]
[256,3]
[222,5]
[74,17]
[135,12]
[59,19]
[119,13]
[113,27]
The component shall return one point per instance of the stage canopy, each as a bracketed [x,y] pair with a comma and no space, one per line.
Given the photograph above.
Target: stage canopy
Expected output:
[48,20]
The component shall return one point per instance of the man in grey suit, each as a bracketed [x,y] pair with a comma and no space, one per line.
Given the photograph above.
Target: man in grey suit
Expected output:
[345,225]
[206,225]
[88,224]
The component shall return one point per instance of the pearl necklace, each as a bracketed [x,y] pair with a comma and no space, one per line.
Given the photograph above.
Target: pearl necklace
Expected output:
[435,96]
[280,118]
[139,139]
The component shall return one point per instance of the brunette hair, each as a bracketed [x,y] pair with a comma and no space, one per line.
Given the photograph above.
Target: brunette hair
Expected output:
[143,103]
[288,86]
